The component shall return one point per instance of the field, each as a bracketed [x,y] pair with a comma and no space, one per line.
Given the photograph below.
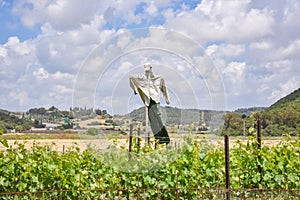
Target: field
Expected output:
[65,140]
[60,142]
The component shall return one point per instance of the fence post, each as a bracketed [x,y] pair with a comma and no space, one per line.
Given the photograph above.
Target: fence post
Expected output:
[130,141]
[226,142]
[19,188]
[138,138]
[258,133]
[259,148]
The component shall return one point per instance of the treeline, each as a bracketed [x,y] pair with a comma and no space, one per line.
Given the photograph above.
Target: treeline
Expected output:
[273,123]
[34,117]
[37,117]
[9,121]
[179,116]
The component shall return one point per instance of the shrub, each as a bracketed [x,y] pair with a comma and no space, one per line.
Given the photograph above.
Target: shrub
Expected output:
[92,131]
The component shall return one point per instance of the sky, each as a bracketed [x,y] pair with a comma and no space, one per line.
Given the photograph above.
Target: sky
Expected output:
[212,54]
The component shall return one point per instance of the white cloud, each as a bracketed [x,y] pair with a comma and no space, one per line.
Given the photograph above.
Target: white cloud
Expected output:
[284,89]
[235,71]
[20,48]
[21,97]
[16,55]
[210,50]
[263,45]
[290,85]
[291,12]
[232,50]
[281,66]
[60,93]
[223,20]
[226,50]
[219,7]
[3,52]
[41,74]
[62,76]
[123,69]
[168,14]
[4,84]
[62,14]
[289,51]
[62,89]
[151,9]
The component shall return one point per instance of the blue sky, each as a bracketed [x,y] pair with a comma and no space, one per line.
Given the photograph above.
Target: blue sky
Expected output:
[11,24]
[213,53]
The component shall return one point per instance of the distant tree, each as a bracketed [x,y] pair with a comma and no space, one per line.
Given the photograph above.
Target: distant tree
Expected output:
[38,124]
[233,124]
[53,108]
[27,125]
[92,131]
[40,111]
[64,113]
[232,120]
[109,121]
[19,128]
[98,112]
[68,126]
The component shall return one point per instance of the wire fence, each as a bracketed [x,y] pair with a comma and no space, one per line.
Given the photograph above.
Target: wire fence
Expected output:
[157,193]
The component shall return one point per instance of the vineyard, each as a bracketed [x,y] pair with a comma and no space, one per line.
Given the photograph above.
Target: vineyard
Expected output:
[194,170]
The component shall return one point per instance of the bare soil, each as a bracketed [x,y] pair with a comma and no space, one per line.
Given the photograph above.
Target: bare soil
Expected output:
[62,145]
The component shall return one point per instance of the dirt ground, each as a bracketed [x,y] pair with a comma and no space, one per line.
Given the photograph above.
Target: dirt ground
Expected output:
[62,145]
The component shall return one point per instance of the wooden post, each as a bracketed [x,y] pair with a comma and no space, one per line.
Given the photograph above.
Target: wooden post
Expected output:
[259,148]
[258,133]
[138,138]
[226,142]
[130,141]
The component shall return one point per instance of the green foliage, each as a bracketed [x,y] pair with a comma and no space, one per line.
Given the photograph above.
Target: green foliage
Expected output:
[233,124]
[9,121]
[19,128]
[38,124]
[2,140]
[197,165]
[40,111]
[92,131]
[279,166]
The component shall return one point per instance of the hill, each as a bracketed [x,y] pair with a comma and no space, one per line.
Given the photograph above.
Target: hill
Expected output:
[281,118]
[291,100]
[180,116]
[250,111]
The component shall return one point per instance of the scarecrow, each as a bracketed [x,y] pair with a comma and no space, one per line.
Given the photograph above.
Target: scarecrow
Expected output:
[149,86]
